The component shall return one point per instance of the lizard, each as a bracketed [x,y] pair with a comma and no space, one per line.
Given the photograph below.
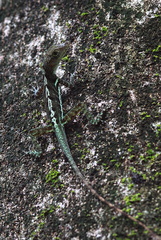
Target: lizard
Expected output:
[54,103]
[53,96]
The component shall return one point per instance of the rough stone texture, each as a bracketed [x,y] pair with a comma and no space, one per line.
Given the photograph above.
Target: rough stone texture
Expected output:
[114,60]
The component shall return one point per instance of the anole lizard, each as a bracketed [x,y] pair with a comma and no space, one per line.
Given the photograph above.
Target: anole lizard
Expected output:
[53,96]
[54,103]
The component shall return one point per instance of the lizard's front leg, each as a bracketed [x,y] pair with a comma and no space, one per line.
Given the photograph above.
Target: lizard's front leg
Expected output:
[81,107]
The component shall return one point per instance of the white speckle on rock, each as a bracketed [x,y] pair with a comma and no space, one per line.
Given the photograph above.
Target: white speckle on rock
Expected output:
[96,234]
[6,27]
[57,31]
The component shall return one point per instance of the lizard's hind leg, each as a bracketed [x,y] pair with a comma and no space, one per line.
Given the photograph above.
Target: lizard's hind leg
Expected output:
[37,132]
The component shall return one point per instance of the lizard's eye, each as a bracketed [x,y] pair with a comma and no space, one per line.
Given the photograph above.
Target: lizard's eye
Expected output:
[55,54]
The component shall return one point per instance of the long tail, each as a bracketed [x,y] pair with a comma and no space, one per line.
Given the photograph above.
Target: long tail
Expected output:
[62,139]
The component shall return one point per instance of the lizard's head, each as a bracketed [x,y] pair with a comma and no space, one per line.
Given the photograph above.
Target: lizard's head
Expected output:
[53,57]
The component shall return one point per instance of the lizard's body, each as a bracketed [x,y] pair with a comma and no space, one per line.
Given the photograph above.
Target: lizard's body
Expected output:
[53,96]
